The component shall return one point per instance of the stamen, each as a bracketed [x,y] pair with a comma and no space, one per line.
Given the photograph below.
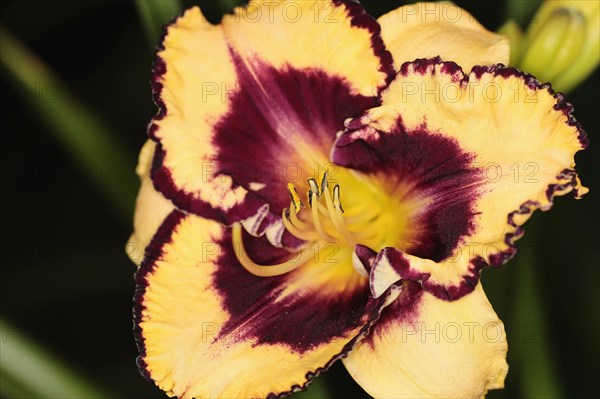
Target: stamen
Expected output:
[335,213]
[301,234]
[337,202]
[267,271]
[326,220]
[297,222]
[324,182]
[314,188]
[315,216]
[295,197]
[323,209]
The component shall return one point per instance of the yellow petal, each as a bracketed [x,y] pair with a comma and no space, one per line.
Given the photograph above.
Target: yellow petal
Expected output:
[423,347]
[425,30]
[311,34]
[151,207]
[206,328]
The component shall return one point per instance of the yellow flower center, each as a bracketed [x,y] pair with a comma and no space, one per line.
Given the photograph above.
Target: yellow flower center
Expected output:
[376,218]
[325,221]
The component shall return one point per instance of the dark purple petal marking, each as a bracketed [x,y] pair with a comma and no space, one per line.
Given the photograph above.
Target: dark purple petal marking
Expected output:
[366,256]
[404,310]
[375,314]
[163,182]
[361,19]
[300,321]
[402,266]
[272,114]
[433,166]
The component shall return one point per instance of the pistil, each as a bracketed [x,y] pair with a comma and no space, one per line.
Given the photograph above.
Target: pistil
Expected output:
[271,270]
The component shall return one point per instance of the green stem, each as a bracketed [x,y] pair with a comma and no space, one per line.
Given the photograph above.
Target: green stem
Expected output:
[83,135]
[535,366]
[156,13]
[26,370]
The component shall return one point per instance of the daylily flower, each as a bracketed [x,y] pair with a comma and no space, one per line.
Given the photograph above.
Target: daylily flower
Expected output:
[320,185]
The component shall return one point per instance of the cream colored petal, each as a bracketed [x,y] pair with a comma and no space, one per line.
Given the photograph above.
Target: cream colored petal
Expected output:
[425,30]
[424,347]
[151,207]
[206,328]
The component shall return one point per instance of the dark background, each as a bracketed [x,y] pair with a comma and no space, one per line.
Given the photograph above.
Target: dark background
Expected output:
[67,283]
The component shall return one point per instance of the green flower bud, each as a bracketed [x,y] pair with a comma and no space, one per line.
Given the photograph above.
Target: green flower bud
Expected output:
[555,46]
[562,43]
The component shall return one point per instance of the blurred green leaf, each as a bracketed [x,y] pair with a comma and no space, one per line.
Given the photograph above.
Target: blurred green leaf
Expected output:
[77,128]
[10,389]
[155,14]
[26,370]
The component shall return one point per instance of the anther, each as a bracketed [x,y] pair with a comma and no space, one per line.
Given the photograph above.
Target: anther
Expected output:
[314,189]
[295,197]
[324,182]
[337,202]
